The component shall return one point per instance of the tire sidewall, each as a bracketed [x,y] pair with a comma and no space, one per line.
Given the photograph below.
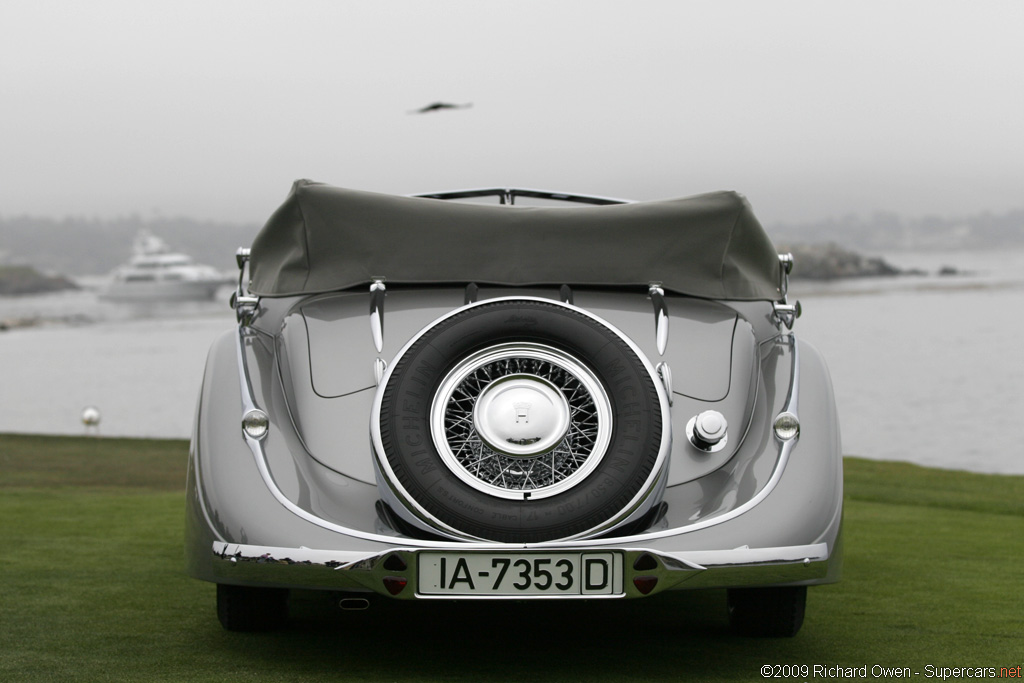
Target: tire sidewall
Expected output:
[626,468]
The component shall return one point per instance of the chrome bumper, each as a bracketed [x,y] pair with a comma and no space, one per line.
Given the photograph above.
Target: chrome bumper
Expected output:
[394,572]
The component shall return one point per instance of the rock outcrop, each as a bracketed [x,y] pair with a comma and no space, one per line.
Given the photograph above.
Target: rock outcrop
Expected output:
[831,262]
[27,280]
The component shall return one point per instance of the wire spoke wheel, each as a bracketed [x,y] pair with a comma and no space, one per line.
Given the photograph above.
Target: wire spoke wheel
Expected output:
[521,421]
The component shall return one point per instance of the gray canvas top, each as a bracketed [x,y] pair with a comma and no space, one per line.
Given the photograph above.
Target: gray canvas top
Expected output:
[326,238]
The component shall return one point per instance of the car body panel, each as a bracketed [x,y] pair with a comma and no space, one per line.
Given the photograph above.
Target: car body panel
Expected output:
[231,503]
[327,351]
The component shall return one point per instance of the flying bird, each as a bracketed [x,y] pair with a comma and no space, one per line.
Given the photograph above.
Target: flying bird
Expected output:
[438,106]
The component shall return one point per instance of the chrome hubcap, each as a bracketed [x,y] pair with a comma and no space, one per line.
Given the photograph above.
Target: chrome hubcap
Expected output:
[521,415]
[521,421]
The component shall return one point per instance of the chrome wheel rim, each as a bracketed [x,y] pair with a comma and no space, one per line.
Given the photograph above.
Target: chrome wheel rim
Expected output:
[521,421]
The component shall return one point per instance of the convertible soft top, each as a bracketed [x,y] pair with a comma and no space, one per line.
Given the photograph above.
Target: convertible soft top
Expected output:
[326,238]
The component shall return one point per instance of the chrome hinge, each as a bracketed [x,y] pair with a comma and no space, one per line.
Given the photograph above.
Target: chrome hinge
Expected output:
[784,312]
[785,268]
[244,304]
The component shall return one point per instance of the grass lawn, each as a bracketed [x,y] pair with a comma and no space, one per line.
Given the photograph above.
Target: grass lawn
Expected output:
[93,589]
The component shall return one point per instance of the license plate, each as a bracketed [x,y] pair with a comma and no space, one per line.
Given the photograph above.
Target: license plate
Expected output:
[520,574]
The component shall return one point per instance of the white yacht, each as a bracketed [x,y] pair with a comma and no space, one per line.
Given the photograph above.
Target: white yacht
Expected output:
[155,273]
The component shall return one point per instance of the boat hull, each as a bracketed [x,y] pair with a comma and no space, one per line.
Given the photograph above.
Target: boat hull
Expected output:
[199,290]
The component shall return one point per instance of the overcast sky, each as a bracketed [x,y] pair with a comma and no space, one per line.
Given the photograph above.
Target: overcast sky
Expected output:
[211,109]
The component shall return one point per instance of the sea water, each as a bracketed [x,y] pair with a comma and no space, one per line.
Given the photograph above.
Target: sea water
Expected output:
[926,369]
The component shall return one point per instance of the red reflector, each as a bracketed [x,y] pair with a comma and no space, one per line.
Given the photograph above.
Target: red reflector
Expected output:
[395,584]
[645,584]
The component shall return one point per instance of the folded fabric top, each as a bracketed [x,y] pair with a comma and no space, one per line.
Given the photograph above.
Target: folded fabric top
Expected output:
[326,238]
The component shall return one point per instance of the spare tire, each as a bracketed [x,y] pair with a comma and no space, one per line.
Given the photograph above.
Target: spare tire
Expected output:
[520,420]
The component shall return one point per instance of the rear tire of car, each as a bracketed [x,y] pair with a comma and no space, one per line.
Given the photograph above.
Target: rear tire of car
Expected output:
[767,612]
[557,353]
[245,608]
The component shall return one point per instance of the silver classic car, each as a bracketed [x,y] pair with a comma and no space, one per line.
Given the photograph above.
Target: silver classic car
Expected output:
[458,397]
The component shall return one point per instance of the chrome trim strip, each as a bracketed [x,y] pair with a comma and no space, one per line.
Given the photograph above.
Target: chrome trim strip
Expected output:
[377,293]
[793,394]
[785,448]
[380,366]
[335,559]
[657,296]
[665,373]
[707,559]
[259,457]
[362,570]
[692,559]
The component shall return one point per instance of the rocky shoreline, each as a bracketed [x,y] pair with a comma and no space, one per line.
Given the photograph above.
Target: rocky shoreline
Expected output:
[17,280]
[832,262]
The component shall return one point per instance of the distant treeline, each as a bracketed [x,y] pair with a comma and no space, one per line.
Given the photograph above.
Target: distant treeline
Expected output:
[888,231]
[84,246]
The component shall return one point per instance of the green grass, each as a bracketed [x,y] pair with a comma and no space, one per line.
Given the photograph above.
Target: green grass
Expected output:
[114,464]
[93,589]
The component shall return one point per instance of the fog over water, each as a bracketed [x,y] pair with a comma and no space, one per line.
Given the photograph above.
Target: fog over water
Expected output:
[211,110]
[813,110]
